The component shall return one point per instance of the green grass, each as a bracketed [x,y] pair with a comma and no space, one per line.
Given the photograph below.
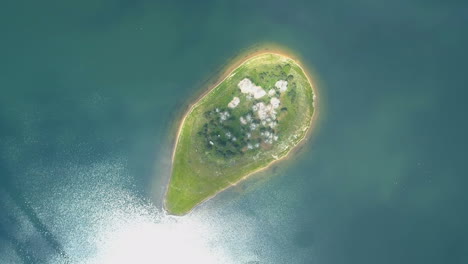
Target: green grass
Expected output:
[199,171]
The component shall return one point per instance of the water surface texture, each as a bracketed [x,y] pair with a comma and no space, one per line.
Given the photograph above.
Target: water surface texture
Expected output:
[91,92]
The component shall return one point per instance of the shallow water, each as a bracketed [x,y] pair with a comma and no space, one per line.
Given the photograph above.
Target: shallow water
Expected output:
[90,92]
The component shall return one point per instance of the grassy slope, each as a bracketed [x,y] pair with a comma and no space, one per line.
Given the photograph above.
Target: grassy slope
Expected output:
[196,174]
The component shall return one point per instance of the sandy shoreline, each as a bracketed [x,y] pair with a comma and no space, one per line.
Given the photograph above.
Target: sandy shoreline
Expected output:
[238,61]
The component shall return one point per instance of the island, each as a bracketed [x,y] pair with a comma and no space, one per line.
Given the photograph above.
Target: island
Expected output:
[256,115]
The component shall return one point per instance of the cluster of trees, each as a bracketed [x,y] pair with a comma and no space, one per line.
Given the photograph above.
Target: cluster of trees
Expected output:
[228,139]
[218,136]
[280,72]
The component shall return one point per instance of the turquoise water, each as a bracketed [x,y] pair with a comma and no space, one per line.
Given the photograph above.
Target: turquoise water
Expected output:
[90,91]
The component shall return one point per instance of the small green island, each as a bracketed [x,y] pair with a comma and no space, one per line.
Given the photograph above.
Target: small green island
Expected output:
[255,116]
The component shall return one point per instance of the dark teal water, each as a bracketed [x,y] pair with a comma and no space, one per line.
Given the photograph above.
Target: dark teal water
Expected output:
[90,91]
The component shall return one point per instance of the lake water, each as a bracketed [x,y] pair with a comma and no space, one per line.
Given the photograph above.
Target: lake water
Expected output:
[91,92]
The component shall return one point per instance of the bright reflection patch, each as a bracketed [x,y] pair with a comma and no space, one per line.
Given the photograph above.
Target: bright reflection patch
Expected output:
[97,221]
[164,240]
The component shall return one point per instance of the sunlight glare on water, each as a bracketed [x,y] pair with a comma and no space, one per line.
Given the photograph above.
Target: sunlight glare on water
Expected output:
[155,237]
[164,239]
[94,220]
